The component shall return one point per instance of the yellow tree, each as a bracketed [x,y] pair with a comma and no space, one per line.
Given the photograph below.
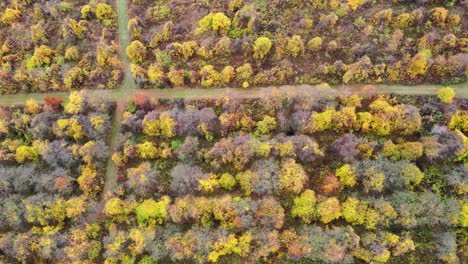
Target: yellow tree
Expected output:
[292,177]
[160,127]
[329,210]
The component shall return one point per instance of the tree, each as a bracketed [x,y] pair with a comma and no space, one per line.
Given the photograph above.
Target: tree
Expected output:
[270,213]
[418,65]
[230,244]
[245,180]
[235,152]
[330,184]
[118,209]
[355,4]
[446,249]
[10,16]
[349,147]
[88,181]
[221,23]
[185,178]
[156,74]
[405,151]
[136,52]
[354,211]
[265,126]
[261,47]
[42,56]
[321,121]
[347,175]
[315,44]
[295,46]
[227,181]
[446,95]
[304,206]
[176,77]
[292,177]
[151,213]
[142,179]
[157,124]
[329,210]
[74,77]
[186,49]
[459,121]
[244,72]
[33,107]
[26,153]
[53,103]
[72,53]
[76,103]
[104,12]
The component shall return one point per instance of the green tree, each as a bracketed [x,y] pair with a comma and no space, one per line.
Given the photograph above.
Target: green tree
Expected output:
[265,126]
[227,181]
[150,212]
[304,206]
[347,175]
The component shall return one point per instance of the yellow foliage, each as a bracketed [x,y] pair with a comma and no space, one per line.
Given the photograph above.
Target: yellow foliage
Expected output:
[329,210]
[88,181]
[26,153]
[418,65]
[347,175]
[32,106]
[10,16]
[75,103]
[446,95]
[209,185]
[292,177]
[161,127]
[355,4]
